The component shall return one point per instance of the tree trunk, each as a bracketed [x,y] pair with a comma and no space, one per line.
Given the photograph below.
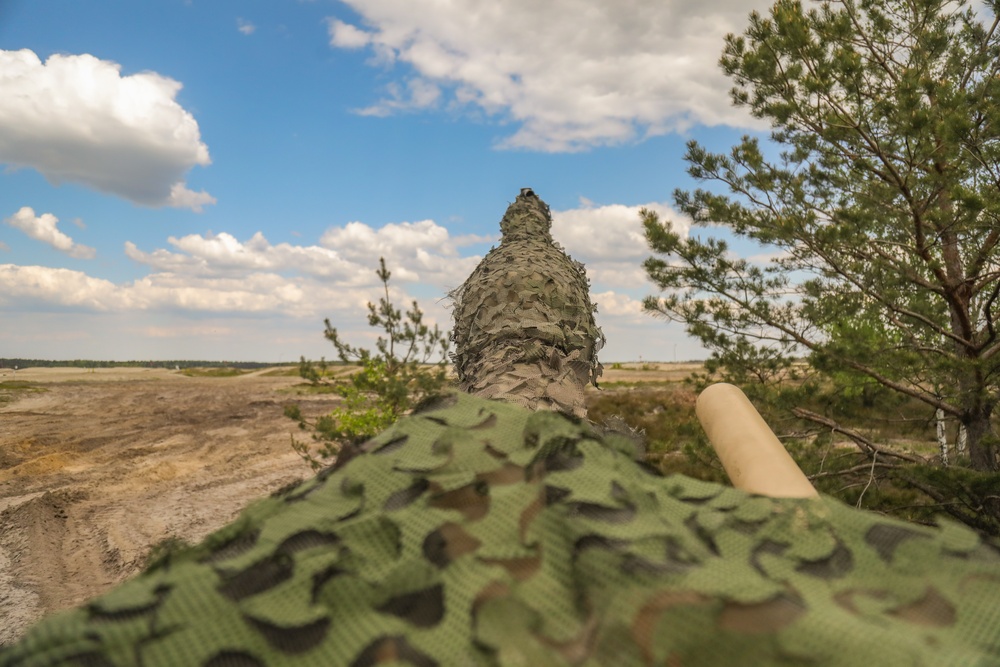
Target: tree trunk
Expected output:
[980,439]
[942,436]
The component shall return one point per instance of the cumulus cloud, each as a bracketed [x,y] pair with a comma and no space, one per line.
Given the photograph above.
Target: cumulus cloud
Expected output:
[181,197]
[571,73]
[39,287]
[422,251]
[346,36]
[42,285]
[76,118]
[415,252]
[620,305]
[610,239]
[245,26]
[416,94]
[215,254]
[44,228]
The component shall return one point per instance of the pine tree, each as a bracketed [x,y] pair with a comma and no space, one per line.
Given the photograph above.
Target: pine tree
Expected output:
[881,204]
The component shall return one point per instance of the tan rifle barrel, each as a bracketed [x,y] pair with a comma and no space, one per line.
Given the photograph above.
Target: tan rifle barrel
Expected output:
[753,457]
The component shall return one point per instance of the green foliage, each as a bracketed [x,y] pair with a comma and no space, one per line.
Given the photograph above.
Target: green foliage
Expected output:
[391,380]
[877,200]
[314,373]
[970,496]
[675,441]
[913,489]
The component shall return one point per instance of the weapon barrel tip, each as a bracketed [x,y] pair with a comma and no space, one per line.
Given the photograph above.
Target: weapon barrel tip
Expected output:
[752,455]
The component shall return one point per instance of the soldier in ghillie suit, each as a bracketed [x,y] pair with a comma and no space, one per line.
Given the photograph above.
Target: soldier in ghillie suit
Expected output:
[524,324]
[476,532]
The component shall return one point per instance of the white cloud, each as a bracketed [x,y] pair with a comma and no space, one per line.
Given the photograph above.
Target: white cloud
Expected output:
[346,36]
[768,257]
[613,303]
[245,26]
[200,282]
[44,228]
[610,240]
[181,197]
[39,287]
[417,94]
[190,331]
[218,272]
[76,118]
[414,252]
[420,251]
[571,73]
[216,254]
[45,286]
[175,306]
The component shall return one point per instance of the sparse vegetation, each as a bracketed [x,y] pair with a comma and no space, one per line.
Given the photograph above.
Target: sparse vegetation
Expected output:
[391,380]
[878,451]
[13,389]
[282,371]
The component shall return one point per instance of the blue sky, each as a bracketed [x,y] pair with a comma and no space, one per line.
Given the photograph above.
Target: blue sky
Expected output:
[209,179]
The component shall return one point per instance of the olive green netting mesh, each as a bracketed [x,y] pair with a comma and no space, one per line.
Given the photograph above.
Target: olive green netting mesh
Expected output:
[479,533]
[524,323]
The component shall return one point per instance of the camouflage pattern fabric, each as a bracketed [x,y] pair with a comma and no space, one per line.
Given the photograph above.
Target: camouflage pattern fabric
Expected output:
[478,533]
[524,324]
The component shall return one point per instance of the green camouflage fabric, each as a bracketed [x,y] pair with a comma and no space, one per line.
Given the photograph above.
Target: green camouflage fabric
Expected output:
[524,324]
[479,533]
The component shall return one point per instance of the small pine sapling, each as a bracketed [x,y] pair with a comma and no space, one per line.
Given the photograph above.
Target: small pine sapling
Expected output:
[392,379]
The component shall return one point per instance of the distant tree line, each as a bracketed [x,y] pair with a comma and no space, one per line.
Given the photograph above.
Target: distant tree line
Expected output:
[179,363]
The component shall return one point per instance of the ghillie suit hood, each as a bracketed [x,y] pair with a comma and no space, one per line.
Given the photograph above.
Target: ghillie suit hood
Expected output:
[524,323]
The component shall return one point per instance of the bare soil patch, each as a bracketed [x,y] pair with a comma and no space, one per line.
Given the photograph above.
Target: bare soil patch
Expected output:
[102,465]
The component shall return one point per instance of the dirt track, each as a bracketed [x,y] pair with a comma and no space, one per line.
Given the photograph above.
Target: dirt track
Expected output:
[101,466]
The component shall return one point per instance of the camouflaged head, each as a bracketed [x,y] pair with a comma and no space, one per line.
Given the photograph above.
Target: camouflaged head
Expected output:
[524,323]
[528,218]
[478,533]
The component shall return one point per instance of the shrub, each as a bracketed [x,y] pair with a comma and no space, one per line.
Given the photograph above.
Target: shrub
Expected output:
[391,380]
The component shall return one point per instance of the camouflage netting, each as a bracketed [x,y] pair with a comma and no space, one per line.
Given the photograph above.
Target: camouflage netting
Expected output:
[524,324]
[478,533]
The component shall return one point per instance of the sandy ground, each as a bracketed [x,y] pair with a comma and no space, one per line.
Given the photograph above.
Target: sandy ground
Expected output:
[101,466]
[648,373]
